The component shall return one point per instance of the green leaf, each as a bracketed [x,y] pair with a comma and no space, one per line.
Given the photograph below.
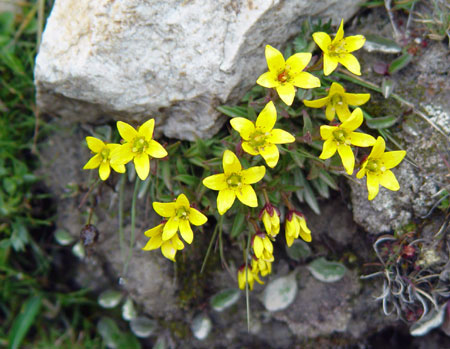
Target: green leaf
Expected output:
[280,293]
[23,321]
[380,44]
[233,111]
[298,251]
[307,124]
[387,86]
[326,271]
[238,225]
[165,173]
[19,236]
[310,198]
[191,181]
[328,179]
[381,122]
[399,63]
[225,299]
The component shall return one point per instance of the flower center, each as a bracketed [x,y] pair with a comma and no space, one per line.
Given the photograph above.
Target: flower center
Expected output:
[283,77]
[105,154]
[337,99]
[258,139]
[375,166]
[140,145]
[182,213]
[340,136]
[234,181]
[337,48]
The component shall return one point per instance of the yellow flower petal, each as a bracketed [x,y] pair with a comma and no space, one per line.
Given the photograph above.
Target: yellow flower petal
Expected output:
[361,139]
[142,166]
[297,62]
[354,121]
[388,180]
[154,243]
[146,129]
[156,150]
[244,126]
[353,43]
[95,144]
[165,209]
[93,162]
[253,174]
[317,103]
[268,80]
[289,239]
[270,154]
[340,32]
[127,132]
[247,196]
[216,182]
[286,93]
[327,131]
[154,231]
[258,246]
[177,243]
[196,217]
[343,112]
[230,163]
[306,237]
[111,147]
[268,245]
[392,158]
[330,111]
[357,98]
[186,231]
[267,118]
[182,201]
[225,200]
[351,63]
[329,148]
[104,170]
[248,148]
[347,157]
[336,88]
[306,80]
[118,168]
[279,136]
[372,185]
[361,173]
[122,155]
[329,64]
[378,148]
[168,250]
[275,60]
[170,228]
[322,40]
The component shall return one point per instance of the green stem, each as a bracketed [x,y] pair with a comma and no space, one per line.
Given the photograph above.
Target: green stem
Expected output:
[121,235]
[208,251]
[133,224]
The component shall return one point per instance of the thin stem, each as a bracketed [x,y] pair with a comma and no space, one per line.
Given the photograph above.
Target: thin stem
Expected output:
[247,295]
[208,251]
[133,223]
[121,235]
[85,197]
[266,197]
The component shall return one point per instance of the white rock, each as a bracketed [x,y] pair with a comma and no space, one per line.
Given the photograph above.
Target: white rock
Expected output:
[174,60]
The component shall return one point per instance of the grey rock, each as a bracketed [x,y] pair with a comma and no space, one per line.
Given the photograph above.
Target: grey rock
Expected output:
[173,60]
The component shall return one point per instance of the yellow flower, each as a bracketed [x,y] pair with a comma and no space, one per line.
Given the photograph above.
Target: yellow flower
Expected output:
[138,146]
[261,137]
[338,50]
[338,101]
[262,247]
[295,227]
[102,158]
[252,276]
[271,219]
[169,247]
[284,75]
[234,182]
[377,168]
[341,137]
[261,266]
[179,215]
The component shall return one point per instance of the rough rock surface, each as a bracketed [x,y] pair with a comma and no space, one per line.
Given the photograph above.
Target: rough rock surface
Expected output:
[424,83]
[175,60]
